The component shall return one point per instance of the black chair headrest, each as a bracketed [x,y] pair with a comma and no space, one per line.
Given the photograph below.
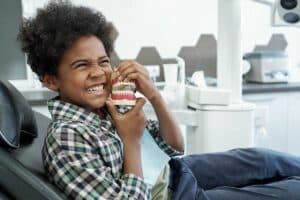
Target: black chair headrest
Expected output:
[17,120]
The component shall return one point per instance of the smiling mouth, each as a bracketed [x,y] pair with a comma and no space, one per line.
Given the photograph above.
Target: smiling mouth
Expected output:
[96,90]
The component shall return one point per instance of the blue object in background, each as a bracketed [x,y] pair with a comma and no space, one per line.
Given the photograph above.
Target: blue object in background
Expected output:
[153,158]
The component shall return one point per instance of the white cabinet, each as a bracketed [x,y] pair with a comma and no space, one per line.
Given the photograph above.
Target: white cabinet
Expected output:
[282,124]
[275,106]
[294,123]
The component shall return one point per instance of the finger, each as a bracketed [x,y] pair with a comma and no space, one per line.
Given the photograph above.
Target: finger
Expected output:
[123,65]
[137,76]
[140,102]
[128,71]
[143,70]
[111,108]
[130,67]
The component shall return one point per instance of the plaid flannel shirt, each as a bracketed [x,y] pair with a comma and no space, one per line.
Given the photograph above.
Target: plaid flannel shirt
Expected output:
[83,155]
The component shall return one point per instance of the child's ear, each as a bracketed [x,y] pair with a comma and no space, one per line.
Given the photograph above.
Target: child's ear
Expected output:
[51,82]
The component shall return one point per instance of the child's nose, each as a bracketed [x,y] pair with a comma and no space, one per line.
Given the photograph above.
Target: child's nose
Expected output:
[96,71]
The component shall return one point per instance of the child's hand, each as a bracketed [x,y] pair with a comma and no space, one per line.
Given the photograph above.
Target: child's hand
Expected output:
[131,70]
[130,125]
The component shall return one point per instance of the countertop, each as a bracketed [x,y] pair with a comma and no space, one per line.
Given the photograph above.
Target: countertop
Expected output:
[256,88]
[36,96]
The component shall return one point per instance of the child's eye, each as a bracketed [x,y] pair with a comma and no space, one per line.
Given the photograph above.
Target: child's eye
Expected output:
[80,65]
[104,63]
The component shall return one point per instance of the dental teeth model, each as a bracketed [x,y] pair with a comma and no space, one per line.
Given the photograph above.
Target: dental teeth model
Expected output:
[122,91]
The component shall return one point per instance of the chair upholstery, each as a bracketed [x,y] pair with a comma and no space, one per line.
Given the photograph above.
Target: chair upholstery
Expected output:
[21,170]
[16,116]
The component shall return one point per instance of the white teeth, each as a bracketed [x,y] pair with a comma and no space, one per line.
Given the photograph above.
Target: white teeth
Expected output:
[123,92]
[131,84]
[95,88]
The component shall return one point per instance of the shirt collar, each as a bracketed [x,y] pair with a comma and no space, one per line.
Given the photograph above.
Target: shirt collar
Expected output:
[61,110]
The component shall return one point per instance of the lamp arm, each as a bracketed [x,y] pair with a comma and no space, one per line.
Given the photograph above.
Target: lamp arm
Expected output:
[266,2]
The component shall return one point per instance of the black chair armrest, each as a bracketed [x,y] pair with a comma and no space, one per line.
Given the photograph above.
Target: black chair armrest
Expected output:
[20,183]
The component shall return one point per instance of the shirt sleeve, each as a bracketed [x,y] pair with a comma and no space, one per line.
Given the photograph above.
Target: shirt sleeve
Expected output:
[153,128]
[81,174]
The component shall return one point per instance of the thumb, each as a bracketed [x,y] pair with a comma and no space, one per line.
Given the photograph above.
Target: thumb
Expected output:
[111,108]
[140,102]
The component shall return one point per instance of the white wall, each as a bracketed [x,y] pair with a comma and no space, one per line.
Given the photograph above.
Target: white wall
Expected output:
[166,24]
[171,24]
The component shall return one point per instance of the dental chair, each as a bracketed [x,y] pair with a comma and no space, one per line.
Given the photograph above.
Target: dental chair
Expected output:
[22,132]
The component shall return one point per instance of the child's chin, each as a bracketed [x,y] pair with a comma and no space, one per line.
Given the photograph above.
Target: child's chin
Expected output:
[95,105]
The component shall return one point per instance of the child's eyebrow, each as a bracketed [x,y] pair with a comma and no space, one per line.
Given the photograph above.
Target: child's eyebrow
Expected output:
[103,58]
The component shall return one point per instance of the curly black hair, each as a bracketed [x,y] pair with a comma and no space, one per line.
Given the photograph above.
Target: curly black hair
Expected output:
[55,28]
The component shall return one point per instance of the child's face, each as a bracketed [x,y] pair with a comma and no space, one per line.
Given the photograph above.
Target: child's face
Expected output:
[84,74]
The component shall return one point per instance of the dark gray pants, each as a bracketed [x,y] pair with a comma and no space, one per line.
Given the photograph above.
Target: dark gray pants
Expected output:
[239,174]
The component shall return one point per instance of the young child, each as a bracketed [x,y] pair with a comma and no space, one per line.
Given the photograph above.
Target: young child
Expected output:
[92,151]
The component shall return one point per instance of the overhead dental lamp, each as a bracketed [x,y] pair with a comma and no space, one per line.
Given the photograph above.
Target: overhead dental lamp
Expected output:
[285,13]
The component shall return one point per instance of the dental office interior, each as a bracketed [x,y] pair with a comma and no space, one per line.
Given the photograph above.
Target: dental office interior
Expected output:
[228,69]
